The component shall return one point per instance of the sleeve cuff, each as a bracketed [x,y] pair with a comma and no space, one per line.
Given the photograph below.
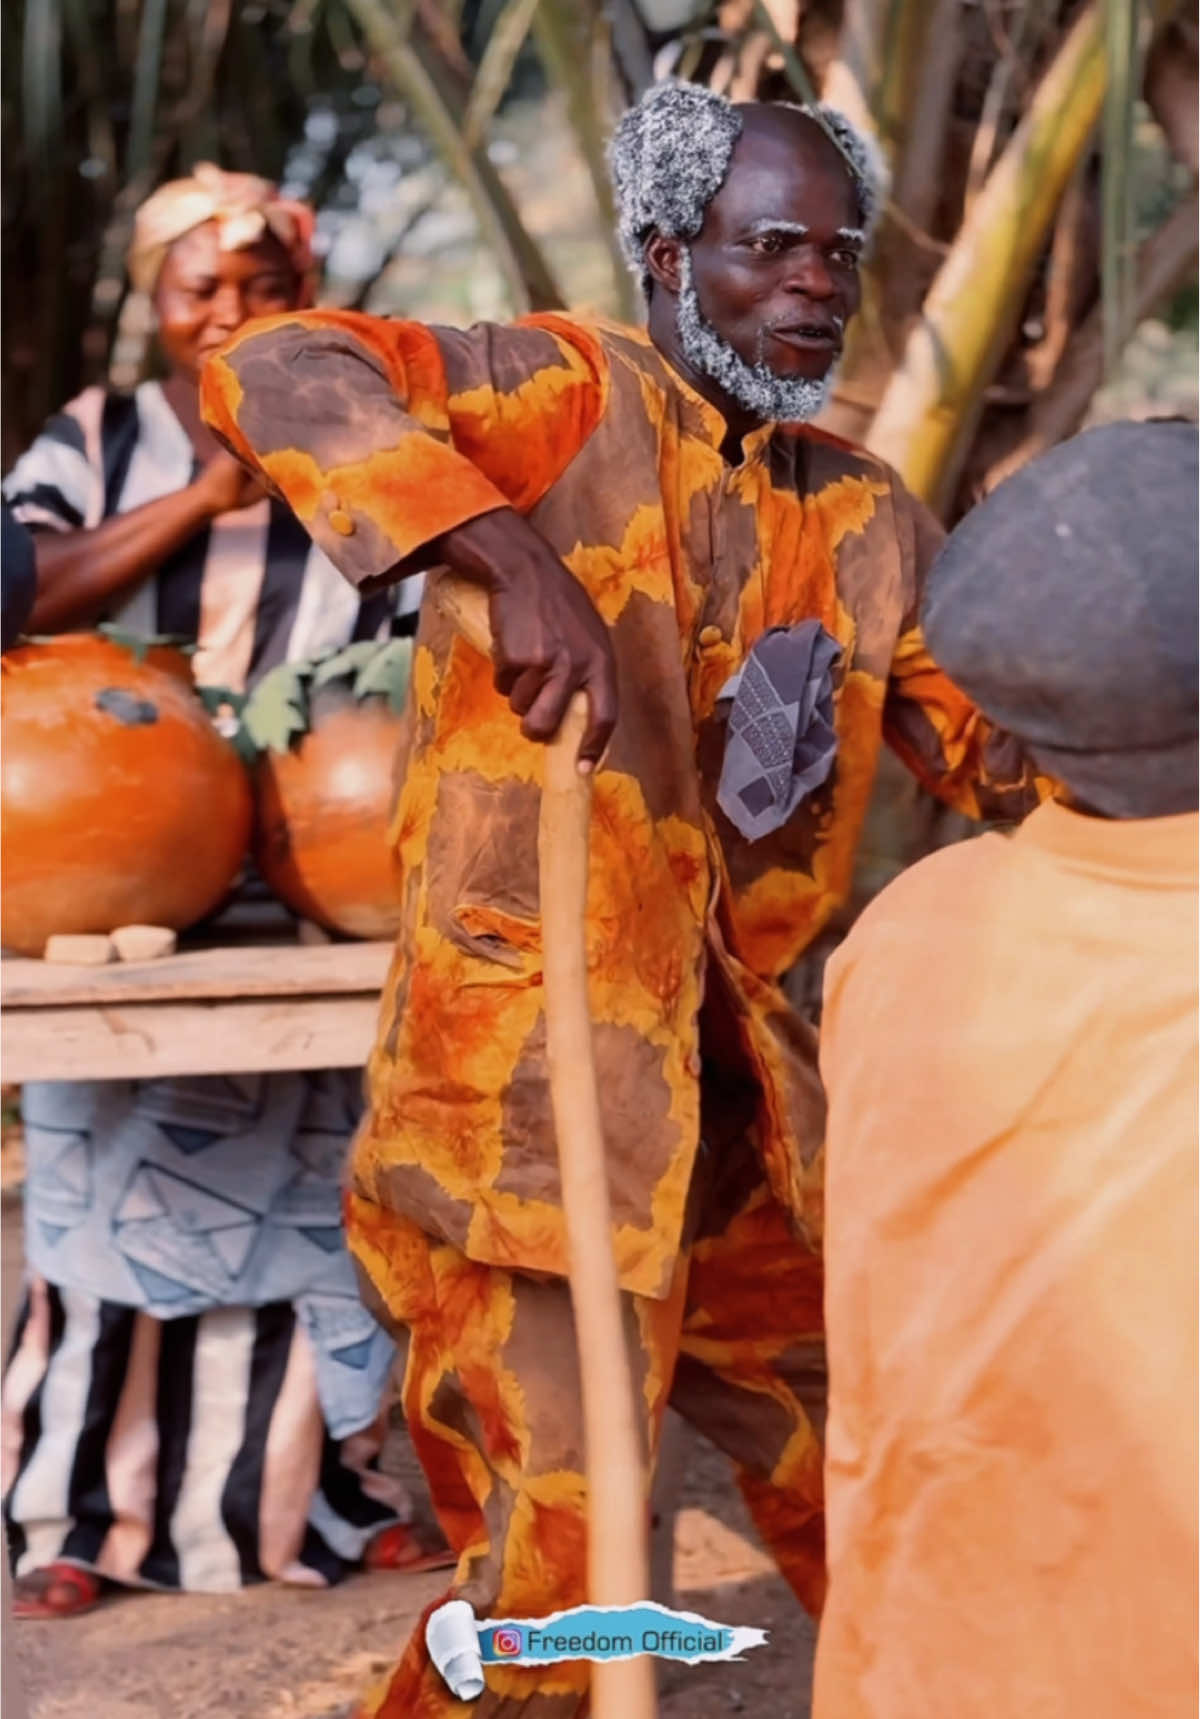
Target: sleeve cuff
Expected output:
[373,518]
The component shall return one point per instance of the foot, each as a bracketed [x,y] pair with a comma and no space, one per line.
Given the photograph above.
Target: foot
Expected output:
[407,1546]
[56,1591]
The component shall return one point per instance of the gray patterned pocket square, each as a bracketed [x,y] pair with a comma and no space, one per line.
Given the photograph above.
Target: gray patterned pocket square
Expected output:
[780,742]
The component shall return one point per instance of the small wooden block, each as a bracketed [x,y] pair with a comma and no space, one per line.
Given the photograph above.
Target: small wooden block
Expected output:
[143,942]
[79,949]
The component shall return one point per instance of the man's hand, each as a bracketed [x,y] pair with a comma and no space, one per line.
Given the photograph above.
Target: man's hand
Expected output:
[548,642]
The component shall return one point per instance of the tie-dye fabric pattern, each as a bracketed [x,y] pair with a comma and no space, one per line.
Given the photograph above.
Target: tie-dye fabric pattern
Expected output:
[384,435]
[492,1396]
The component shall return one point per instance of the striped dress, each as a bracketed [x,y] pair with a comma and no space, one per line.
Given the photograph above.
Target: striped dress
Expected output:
[193,1394]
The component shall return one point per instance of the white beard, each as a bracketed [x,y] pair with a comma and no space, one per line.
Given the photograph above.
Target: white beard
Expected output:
[756,388]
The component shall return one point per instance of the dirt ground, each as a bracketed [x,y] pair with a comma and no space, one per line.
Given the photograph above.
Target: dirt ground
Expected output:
[284,1653]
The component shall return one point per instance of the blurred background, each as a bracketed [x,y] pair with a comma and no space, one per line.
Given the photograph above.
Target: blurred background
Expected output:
[1035,270]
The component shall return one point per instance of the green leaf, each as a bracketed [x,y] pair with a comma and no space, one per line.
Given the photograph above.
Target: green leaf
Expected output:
[277,709]
[344,662]
[140,643]
[387,673]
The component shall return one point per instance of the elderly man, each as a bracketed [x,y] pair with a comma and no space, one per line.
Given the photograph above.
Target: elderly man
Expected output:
[649,515]
[1012,1196]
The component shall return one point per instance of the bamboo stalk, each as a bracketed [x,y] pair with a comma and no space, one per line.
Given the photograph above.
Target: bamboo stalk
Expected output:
[416,83]
[563,33]
[932,401]
[504,44]
[792,63]
[1165,260]
[995,102]
[917,182]
[145,86]
[1116,180]
[42,111]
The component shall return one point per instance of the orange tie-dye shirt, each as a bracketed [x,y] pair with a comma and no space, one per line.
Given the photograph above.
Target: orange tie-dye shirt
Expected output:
[384,435]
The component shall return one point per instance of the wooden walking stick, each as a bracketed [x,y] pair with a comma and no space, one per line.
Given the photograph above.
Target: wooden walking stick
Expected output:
[618,1565]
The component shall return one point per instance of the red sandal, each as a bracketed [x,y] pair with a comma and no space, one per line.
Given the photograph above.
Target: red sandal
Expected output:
[404,1547]
[56,1591]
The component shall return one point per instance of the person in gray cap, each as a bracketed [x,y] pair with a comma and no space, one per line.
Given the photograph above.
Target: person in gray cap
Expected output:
[1083,640]
[1009,1052]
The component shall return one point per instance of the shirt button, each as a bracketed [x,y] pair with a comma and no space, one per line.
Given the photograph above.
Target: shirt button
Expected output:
[710,638]
[341,522]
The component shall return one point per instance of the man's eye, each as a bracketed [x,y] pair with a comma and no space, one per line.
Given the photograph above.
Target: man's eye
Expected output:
[767,244]
[847,259]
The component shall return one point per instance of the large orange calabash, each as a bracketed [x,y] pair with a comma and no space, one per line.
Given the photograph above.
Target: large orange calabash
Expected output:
[322,816]
[119,801]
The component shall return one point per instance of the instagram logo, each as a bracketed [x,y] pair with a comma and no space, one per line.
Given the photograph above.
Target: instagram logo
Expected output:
[508,1641]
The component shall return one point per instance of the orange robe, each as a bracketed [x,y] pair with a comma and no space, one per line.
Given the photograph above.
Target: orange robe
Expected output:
[1009,1046]
[383,435]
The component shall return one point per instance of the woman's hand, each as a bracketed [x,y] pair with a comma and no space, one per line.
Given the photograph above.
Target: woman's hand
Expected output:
[224,486]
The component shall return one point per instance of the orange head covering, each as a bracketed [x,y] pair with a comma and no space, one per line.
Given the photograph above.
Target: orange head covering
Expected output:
[243,207]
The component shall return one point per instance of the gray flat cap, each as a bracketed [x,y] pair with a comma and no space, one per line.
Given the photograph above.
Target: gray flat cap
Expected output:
[1066,607]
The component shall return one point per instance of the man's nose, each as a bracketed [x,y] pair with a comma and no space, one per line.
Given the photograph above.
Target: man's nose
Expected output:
[808,275]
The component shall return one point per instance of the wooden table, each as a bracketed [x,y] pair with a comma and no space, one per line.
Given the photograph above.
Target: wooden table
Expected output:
[234,1009]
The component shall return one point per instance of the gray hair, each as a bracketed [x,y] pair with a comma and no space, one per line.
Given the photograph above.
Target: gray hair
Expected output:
[670,153]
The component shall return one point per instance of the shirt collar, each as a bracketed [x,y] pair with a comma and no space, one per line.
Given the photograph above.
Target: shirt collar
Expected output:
[712,419]
[1152,849]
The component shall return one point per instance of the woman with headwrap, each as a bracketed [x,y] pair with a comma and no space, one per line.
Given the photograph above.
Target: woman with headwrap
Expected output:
[193,1397]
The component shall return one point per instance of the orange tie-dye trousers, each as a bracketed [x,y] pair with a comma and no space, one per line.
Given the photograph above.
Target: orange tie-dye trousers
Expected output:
[491,1393]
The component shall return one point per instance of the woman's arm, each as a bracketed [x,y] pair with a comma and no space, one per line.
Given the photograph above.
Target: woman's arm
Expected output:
[80,572]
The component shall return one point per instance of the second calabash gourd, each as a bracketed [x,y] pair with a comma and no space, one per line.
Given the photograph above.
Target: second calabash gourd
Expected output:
[326,735]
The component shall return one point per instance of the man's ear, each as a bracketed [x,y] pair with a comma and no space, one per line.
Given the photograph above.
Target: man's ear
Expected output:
[662,260]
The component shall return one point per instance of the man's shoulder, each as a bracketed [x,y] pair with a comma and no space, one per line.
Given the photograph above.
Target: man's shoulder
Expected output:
[624,346]
[591,327]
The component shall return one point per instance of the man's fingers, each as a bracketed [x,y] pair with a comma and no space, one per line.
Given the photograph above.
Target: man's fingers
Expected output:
[601,688]
[523,688]
[544,717]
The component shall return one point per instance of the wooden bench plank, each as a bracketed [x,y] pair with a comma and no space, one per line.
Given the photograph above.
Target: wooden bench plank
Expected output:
[150,1040]
[230,971]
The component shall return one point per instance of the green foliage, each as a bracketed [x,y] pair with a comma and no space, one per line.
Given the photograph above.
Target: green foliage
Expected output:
[140,643]
[278,711]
